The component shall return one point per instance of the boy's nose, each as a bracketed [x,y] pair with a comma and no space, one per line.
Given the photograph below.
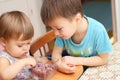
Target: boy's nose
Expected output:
[56,33]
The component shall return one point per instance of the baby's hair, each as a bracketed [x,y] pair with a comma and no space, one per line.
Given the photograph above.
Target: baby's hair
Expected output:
[15,24]
[51,9]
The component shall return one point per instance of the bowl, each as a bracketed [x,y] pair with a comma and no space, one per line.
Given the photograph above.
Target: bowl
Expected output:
[44,71]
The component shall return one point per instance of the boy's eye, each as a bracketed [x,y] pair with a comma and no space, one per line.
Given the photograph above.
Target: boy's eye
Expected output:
[59,29]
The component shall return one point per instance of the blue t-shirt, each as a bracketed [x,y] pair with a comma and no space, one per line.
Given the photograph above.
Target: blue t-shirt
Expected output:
[96,41]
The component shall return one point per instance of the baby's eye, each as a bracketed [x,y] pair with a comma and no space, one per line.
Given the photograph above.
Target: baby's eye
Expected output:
[59,29]
[19,45]
[29,43]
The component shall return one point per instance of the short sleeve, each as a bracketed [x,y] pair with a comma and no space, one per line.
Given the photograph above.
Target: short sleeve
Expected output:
[59,42]
[103,44]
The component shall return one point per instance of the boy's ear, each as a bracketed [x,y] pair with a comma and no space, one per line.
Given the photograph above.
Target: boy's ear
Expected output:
[78,17]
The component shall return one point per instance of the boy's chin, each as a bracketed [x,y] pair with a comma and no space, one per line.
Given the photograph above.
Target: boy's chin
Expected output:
[66,38]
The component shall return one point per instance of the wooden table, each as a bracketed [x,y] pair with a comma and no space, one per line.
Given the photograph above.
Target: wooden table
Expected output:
[62,76]
[110,71]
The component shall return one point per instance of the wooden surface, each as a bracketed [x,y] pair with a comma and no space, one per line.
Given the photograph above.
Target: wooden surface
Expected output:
[62,76]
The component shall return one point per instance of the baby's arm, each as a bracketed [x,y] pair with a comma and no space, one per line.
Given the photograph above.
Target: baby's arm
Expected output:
[63,67]
[87,61]
[9,71]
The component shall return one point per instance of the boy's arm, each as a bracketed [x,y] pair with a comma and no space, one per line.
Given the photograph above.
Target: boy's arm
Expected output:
[95,60]
[88,61]
[57,54]
[63,67]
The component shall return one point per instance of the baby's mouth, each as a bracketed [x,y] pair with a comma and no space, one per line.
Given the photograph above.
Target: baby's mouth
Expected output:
[24,54]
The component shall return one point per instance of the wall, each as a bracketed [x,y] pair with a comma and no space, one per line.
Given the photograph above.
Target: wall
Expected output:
[32,10]
[34,6]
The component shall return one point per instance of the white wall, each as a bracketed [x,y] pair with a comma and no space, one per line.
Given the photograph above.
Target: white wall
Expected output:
[117,13]
[32,10]
[34,7]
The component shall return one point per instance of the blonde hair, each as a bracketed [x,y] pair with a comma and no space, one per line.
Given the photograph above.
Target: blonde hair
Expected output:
[14,24]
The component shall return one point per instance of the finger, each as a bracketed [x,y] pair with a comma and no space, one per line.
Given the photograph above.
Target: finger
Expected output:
[70,71]
[63,59]
[71,65]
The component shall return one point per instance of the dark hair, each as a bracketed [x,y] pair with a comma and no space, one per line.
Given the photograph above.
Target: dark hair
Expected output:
[15,24]
[51,9]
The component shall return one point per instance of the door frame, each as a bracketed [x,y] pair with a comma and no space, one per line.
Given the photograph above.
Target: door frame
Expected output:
[114,20]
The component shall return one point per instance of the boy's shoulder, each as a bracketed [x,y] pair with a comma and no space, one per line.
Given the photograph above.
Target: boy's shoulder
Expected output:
[95,25]
[93,21]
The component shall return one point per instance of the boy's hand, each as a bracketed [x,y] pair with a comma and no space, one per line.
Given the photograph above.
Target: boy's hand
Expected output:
[66,68]
[70,60]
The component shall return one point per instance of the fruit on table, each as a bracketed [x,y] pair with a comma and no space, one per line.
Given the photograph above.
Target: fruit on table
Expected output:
[43,70]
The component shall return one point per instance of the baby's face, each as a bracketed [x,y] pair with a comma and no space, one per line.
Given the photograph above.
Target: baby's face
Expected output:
[63,27]
[17,48]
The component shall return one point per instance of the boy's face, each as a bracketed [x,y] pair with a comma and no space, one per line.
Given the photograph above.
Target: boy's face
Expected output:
[17,48]
[63,27]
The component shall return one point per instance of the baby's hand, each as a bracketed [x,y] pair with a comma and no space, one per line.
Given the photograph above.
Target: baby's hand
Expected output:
[42,59]
[30,61]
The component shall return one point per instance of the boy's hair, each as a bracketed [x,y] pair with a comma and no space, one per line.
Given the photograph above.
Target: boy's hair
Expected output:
[15,24]
[51,9]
